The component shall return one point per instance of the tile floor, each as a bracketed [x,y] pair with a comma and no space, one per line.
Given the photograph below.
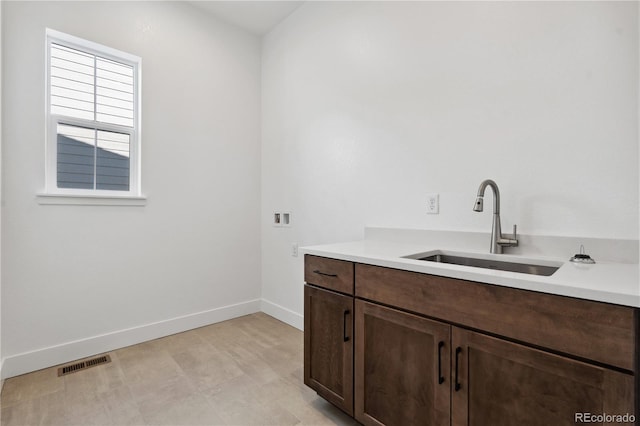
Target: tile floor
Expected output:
[246,371]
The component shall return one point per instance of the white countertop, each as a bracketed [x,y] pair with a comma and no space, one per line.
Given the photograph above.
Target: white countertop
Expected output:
[610,282]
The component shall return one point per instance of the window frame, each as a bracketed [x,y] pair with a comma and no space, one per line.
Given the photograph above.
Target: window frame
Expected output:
[52,121]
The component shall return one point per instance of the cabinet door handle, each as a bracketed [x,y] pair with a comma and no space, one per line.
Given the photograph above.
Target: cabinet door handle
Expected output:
[324,274]
[440,376]
[344,325]
[457,383]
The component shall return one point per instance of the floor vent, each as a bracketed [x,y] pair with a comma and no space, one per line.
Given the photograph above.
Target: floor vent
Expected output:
[83,365]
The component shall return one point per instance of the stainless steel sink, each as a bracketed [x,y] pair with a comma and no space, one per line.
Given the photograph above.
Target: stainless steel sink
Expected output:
[489,263]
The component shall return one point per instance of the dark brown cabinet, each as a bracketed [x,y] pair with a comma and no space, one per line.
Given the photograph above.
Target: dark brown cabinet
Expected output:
[437,351]
[501,383]
[328,341]
[410,370]
[402,368]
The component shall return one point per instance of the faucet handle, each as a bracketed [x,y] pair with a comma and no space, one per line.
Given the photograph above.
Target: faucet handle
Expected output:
[509,240]
[514,241]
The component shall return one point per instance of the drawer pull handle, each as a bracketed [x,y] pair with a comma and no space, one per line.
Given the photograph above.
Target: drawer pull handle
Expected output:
[324,274]
[457,385]
[344,325]
[440,377]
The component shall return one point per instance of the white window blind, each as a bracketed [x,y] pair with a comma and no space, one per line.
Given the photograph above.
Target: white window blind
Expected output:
[93,115]
[89,87]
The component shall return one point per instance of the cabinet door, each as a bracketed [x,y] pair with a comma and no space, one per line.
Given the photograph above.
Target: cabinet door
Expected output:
[402,367]
[504,383]
[328,346]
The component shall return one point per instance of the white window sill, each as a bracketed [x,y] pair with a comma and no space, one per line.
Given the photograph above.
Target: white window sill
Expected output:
[90,200]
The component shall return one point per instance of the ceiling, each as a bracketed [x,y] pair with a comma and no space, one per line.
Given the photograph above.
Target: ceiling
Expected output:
[257,17]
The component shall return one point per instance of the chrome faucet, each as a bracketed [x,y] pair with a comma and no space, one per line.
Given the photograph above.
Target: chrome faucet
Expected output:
[498,241]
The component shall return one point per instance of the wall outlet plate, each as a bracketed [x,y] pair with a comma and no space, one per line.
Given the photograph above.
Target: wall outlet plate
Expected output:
[433,203]
[281,219]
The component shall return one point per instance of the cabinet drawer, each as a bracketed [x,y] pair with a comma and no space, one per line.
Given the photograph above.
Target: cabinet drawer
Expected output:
[592,330]
[333,274]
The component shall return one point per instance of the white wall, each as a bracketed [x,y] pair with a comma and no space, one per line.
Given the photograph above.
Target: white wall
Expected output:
[369,106]
[90,278]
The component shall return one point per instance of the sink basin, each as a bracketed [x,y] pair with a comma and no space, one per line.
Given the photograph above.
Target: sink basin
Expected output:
[544,268]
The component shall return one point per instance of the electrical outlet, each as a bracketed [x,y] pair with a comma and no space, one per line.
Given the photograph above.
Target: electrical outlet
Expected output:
[294,249]
[433,203]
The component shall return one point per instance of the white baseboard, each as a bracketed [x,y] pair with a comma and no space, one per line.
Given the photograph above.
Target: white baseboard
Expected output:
[285,315]
[70,351]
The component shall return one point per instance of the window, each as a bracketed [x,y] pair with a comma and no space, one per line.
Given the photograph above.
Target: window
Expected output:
[93,119]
